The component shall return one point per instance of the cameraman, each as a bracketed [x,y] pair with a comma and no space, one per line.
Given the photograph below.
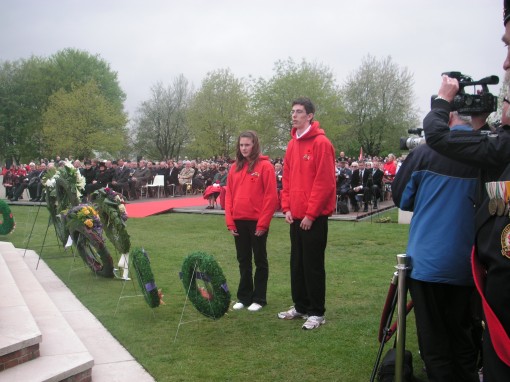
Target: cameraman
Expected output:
[491,259]
[440,242]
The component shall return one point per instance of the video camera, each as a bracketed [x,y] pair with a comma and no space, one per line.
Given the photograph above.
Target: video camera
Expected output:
[481,102]
[410,143]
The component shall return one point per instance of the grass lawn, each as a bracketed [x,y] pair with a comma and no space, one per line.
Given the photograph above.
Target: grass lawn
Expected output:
[242,345]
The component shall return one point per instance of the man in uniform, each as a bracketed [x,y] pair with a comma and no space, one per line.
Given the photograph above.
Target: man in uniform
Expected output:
[491,258]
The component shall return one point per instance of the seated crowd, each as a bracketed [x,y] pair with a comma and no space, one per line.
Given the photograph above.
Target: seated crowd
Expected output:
[359,183]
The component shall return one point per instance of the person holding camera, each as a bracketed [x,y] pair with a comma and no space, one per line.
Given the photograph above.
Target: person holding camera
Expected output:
[491,256]
[439,246]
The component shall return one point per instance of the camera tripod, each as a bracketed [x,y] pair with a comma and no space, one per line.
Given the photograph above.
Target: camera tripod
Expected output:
[396,298]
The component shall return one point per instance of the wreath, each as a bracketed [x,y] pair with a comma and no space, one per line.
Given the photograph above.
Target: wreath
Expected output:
[112,212]
[63,186]
[7,223]
[145,277]
[86,229]
[210,295]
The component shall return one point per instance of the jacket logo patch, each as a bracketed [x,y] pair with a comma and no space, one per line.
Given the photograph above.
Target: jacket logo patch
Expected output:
[505,241]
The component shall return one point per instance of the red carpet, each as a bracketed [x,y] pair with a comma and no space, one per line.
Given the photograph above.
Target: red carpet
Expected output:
[143,209]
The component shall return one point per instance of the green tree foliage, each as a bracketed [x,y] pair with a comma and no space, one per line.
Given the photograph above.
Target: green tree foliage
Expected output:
[25,90]
[161,126]
[71,67]
[81,121]
[272,99]
[218,113]
[379,98]
[22,98]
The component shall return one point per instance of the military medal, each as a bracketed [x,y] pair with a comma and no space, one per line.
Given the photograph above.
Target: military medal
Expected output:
[501,198]
[501,207]
[491,192]
[492,207]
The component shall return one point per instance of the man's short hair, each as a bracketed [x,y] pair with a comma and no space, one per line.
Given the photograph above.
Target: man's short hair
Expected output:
[306,102]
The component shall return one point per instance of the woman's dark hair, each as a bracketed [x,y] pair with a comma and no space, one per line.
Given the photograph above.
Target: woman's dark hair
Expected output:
[253,158]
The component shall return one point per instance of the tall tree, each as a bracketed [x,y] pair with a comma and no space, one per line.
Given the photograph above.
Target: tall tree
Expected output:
[271,101]
[161,126]
[71,67]
[81,122]
[218,113]
[379,98]
[22,99]
[27,85]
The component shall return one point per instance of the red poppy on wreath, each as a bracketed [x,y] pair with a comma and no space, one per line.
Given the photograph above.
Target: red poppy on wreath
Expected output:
[205,294]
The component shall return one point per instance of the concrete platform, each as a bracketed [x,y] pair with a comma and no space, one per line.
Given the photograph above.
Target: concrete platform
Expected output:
[42,290]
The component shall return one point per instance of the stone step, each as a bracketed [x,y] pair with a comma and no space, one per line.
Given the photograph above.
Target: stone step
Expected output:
[19,334]
[62,354]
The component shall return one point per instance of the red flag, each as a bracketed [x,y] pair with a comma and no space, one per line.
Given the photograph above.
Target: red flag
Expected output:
[360,154]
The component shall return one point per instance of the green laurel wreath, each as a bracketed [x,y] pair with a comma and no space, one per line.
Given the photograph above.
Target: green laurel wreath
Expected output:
[113,216]
[63,190]
[94,253]
[7,224]
[84,225]
[211,297]
[145,277]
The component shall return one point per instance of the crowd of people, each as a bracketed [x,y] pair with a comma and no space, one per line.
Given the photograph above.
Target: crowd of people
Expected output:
[357,181]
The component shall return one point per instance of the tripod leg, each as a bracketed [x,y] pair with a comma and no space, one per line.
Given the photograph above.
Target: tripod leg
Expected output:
[386,333]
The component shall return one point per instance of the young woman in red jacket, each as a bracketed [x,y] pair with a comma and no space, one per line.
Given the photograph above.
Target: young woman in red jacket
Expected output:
[250,203]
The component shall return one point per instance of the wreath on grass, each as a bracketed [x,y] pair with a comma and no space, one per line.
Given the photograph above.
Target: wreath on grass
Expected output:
[112,212]
[206,285]
[86,229]
[7,223]
[145,277]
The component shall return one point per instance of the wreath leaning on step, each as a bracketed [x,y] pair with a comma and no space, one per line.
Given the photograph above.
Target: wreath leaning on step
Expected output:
[7,223]
[210,295]
[145,277]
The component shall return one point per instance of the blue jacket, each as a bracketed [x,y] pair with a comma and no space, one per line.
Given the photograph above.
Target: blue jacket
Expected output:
[441,192]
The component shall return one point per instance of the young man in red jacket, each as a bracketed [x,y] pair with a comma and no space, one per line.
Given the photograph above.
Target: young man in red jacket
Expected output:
[308,198]
[250,202]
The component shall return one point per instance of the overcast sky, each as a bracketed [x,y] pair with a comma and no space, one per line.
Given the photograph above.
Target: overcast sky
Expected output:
[150,41]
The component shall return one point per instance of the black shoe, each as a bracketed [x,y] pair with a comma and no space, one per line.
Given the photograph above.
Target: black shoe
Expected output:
[375,206]
[356,208]
[14,199]
[366,208]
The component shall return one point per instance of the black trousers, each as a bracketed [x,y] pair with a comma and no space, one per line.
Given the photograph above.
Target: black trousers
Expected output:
[248,246]
[307,272]
[445,326]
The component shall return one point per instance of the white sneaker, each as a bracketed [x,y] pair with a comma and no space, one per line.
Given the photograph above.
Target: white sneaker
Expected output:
[291,314]
[238,306]
[314,322]
[254,307]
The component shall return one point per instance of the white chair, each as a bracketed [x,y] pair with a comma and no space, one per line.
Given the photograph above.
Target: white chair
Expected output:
[159,182]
